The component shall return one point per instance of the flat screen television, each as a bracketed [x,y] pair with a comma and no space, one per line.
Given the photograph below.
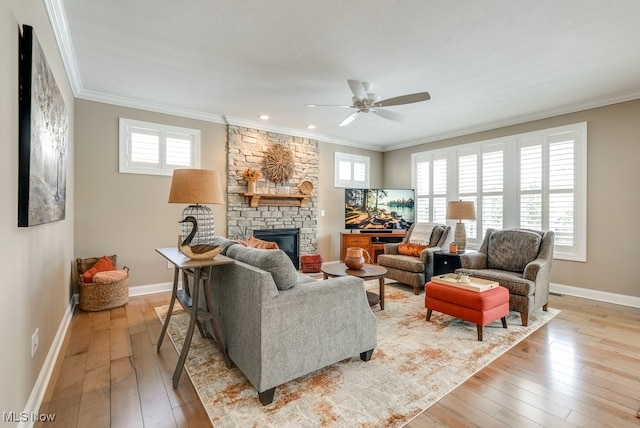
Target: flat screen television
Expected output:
[379,210]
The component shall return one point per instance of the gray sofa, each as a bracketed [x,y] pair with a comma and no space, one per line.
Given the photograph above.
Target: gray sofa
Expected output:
[278,324]
[518,259]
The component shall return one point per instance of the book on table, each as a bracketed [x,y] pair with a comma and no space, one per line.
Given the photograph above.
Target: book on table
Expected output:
[475,284]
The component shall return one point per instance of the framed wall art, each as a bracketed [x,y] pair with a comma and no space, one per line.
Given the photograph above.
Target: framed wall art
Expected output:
[43,138]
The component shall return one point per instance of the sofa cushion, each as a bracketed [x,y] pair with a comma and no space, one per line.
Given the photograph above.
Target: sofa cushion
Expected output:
[224,243]
[398,261]
[411,249]
[512,250]
[276,262]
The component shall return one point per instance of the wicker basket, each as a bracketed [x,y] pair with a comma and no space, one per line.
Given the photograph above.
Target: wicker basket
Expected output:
[103,296]
[311,263]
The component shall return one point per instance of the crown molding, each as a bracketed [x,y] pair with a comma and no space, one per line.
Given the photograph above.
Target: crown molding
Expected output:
[574,108]
[150,106]
[235,121]
[58,21]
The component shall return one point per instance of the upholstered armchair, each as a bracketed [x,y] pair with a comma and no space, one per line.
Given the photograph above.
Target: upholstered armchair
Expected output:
[411,261]
[520,260]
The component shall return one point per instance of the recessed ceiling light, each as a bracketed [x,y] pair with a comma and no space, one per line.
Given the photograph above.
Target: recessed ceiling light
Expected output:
[311,127]
[264,117]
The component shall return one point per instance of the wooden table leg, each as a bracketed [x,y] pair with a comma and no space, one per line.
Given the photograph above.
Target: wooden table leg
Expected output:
[192,325]
[174,293]
[381,291]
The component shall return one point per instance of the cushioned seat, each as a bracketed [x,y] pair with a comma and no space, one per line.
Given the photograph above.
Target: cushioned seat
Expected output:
[411,261]
[479,308]
[518,259]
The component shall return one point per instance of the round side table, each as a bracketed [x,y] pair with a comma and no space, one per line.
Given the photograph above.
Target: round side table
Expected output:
[332,270]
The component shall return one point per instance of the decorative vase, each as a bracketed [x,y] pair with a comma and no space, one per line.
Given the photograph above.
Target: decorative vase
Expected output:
[251,186]
[354,258]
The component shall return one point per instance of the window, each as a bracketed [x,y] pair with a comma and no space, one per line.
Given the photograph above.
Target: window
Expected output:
[431,186]
[536,180]
[351,170]
[151,148]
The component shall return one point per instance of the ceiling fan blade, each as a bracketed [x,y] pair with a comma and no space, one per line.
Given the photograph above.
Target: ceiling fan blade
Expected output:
[327,105]
[404,99]
[349,119]
[358,89]
[391,115]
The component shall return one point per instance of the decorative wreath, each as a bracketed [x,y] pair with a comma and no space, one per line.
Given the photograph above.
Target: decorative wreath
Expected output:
[277,164]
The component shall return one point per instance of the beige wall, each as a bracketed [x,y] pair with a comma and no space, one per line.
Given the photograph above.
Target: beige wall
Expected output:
[128,214]
[36,261]
[613,193]
[331,199]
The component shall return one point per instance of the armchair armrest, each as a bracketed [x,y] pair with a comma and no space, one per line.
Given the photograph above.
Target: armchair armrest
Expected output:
[473,260]
[534,270]
[391,248]
[427,253]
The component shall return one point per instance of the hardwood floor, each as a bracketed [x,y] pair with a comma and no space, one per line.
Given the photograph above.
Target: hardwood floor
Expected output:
[581,369]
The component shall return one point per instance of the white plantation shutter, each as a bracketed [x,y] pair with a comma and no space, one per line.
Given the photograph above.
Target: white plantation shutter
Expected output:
[468,187]
[430,182]
[156,149]
[535,180]
[492,188]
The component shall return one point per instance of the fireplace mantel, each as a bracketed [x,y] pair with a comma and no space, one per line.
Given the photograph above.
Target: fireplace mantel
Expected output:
[277,200]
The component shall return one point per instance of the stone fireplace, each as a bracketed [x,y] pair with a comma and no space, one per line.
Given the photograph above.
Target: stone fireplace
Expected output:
[246,149]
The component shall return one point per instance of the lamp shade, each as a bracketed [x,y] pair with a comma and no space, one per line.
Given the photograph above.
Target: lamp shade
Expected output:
[461,210]
[195,186]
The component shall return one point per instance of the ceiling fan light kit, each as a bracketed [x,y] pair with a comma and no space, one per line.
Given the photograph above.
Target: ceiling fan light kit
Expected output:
[368,102]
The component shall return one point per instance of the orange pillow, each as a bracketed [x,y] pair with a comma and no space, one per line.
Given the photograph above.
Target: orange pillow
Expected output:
[101,265]
[259,243]
[411,249]
[109,276]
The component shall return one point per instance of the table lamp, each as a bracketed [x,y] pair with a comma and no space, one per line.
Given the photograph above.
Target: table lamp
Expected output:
[461,210]
[196,187]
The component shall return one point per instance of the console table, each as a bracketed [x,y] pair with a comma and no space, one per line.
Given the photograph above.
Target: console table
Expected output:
[372,242]
[201,272]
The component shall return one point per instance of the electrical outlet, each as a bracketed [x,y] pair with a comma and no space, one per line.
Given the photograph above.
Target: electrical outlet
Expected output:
[34,342]
[169,265]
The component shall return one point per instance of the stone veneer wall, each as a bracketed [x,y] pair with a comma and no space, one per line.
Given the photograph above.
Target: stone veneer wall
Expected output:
[246,149]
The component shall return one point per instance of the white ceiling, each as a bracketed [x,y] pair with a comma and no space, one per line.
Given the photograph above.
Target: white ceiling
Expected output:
[486,63]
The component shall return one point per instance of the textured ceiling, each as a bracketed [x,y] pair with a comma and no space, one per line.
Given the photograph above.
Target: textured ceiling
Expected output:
[485,63]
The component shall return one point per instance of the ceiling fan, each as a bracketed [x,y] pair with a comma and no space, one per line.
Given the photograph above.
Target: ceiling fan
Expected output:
[368,102]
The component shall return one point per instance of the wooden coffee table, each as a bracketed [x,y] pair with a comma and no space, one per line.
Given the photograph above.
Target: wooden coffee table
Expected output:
[367,272]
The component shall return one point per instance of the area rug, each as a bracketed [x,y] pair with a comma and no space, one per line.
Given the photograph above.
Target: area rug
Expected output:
[415,364]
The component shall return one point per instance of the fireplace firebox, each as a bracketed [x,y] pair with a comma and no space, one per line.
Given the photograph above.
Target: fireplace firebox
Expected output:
[287,240]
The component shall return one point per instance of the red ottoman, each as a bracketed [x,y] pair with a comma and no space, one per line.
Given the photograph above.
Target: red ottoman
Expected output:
[479,308]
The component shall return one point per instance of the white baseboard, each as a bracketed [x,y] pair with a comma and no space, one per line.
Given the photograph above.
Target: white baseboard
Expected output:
[40,388]
[601,296]
[141,290]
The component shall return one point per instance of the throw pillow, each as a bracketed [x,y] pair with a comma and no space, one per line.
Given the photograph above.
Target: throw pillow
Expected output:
[436,235]
[109,276]
[276,262]
[411,249]
[259,243]
[101,265]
